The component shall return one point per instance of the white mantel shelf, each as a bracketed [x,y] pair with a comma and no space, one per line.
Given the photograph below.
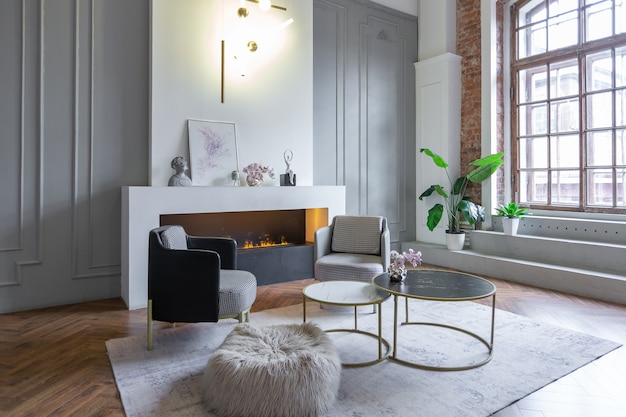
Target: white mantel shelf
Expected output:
[142,206]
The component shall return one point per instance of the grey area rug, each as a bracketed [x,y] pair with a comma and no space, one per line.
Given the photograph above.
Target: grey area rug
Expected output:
[527,356]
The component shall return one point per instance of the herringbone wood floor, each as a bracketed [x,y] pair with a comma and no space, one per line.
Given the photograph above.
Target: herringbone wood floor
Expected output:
[53,361]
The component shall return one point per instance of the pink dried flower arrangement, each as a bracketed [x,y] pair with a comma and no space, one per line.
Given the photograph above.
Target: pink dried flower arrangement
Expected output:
[399,260]
[255,171]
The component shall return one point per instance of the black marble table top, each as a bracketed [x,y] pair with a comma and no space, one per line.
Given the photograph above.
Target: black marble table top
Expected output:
[432,284]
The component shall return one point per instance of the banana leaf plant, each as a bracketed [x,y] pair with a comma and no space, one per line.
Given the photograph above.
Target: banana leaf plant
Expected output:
[457,207]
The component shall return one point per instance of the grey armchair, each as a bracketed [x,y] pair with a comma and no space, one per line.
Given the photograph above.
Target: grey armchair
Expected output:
[352,248]
[195,279]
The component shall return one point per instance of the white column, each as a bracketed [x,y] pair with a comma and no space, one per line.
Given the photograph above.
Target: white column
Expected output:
[438,119]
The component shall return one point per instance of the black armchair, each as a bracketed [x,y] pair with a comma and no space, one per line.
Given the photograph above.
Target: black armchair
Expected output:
[194,279]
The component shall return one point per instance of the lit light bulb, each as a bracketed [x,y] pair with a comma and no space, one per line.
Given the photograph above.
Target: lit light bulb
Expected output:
[265,5]
[284,24]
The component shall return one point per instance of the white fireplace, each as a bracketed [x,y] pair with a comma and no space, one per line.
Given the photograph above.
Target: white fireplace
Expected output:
[143,206]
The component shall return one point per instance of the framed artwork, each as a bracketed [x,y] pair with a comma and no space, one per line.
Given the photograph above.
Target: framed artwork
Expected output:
[213,152]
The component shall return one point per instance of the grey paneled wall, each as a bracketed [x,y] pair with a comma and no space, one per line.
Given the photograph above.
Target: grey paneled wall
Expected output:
[73,129]
[364,108]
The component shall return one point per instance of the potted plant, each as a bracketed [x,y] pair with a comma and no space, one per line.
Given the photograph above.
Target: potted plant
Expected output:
[456,206]
[511,213]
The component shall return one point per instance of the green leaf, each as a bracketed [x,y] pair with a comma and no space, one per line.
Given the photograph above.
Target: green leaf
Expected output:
[486,167]
[459,185]
[433,188]
[427,193]
[483,172]
[439,161]
[440,191]
[434,216]
[493,158]
[469,210]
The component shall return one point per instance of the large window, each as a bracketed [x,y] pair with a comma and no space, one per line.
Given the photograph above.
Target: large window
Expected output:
[569,104]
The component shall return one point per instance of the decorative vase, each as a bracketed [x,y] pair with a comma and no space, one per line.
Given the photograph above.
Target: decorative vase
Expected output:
[455,241]
[510,225]
[254,182]
[396,275]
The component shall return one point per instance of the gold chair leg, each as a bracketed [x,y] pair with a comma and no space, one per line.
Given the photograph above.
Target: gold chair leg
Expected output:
[149,324]
[244,316]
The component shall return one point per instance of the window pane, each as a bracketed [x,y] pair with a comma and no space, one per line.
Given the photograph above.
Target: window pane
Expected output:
[599,71]
[620,66]
[564,151]
[599,187]
[562,6]
[533,152]
[564,79]
[533,119]
[532,84]
[565,187]
[533,187]
[599,148]
[531,13]
[564,116]
[620,108]
[563,31]
[599,110]
[620,11]
[621,187]
[532,40]
[620,147]
[589,2]
[599,21]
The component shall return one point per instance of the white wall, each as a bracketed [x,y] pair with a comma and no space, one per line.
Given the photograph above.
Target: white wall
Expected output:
[73,129]
[271,106]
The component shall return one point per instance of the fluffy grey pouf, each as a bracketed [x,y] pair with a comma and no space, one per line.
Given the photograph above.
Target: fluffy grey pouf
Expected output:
[274,371]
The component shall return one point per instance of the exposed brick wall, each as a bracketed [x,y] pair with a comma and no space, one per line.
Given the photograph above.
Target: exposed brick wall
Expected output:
[468,46]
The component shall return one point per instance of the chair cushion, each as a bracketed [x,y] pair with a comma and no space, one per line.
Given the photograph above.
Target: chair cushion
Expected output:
[174,237]
[348,266]
[357,234]
[237,291]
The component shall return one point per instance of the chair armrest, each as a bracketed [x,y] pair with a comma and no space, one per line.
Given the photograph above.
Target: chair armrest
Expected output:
[225,247]
[184,284]
[322,240]
[385,246]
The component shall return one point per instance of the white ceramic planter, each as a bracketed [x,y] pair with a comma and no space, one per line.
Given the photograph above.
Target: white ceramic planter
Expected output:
[510,225]
[455,241]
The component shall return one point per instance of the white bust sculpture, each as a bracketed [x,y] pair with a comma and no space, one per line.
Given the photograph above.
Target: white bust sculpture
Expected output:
[180,179]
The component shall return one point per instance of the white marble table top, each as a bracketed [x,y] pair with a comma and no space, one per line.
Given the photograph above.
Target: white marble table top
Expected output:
[348,293]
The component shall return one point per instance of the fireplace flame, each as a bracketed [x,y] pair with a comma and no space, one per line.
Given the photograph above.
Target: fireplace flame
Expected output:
[265,241]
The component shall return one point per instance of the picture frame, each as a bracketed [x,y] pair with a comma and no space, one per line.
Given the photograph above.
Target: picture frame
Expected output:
[213,152]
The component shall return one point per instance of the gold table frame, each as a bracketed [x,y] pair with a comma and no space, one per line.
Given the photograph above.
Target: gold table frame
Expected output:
[352,303]
[399,293]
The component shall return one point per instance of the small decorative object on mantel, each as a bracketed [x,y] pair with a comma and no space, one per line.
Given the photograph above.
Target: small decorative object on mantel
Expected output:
[235,177]
[254,174]
[397,266]
[288,178]
[180,179]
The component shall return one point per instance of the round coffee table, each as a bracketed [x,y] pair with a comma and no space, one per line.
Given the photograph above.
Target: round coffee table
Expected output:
[352,294]
[439,285]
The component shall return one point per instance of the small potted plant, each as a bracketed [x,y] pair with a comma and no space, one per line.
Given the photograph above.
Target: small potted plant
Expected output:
[511,213]
[457,206]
